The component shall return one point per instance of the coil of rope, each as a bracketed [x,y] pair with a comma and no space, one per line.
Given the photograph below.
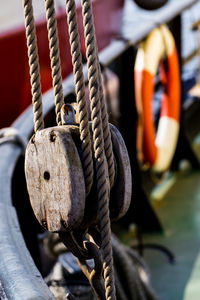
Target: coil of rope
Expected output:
[102,144]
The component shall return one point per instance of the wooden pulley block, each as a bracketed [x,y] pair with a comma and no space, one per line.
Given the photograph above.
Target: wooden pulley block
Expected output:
[120,196]
[55,178]
[121,192]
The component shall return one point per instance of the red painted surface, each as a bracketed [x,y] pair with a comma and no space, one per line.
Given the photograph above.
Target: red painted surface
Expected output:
[171,101]
[149,147]
[15,93]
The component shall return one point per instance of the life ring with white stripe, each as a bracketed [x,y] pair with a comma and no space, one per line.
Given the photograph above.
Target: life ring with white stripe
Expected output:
[158,147]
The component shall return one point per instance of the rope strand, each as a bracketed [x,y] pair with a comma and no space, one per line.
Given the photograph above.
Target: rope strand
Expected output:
[55,57]
[106,131]
[102,184]
[102,145]
[80,94]
[33,65]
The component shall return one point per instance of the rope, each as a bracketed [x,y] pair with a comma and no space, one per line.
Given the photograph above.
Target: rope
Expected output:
[80,94]
[101,135]
[106,131]
[128,266]
[120,293]
[130,277]
[55,57]
[33,65]
[98,144]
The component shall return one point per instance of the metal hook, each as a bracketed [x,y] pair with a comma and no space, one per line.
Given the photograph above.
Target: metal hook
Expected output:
[94,275]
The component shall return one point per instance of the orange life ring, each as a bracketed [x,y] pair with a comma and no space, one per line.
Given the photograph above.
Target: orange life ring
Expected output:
[158,147]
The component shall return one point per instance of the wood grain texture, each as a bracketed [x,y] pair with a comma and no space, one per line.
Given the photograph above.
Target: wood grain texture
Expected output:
[120,197]
[55,178]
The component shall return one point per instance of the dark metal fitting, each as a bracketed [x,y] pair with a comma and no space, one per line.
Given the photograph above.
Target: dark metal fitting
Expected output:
[12,135]
[94,275]
[73,244]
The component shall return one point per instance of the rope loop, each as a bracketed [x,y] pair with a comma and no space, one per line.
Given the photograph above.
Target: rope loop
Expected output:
[85,250]
[80,94]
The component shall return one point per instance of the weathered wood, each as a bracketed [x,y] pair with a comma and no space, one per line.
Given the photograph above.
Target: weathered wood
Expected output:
[120,197]
[55,178]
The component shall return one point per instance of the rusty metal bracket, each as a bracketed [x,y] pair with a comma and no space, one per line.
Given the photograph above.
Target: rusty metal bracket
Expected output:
[94,275]
[84,250]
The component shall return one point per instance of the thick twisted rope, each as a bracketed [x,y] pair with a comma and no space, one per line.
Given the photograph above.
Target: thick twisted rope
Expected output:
[33,65]
[80,94]
[128,268]
[130,273]
[106,131]
[98,144]
[55,57]
[97,111]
